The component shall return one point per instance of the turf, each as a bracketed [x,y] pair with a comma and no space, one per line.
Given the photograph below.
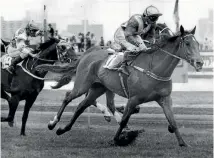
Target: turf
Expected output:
[82,142]
[94,142]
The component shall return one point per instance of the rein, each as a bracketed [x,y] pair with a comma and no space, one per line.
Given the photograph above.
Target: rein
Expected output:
[159,78]
[32,75]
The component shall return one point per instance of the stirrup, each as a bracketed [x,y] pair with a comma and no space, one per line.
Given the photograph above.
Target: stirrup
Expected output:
[123,70]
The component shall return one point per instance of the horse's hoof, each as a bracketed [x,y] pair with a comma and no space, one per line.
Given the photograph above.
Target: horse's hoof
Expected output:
[11,123]
[184,145]
[137,110]
[22,134]
[120,109]
[127,128]
[51,126]
[60,131]
[171,129]
[107,118]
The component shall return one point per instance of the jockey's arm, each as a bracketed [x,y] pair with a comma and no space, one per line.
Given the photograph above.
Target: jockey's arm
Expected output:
[13,52]
[130,31]
[32,55]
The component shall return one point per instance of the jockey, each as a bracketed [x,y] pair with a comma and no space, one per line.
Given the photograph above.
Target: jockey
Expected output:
[128,35]
[18,48]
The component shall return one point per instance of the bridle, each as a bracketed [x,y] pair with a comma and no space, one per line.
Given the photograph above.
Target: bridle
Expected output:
[59,54]
[160,78]
[181,46]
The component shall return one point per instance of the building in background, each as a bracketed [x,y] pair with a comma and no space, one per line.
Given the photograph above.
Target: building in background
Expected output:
[206,27]
[97,29]
[8,28]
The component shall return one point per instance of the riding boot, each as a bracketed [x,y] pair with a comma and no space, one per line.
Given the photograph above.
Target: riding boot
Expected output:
[11,69]
[123,68]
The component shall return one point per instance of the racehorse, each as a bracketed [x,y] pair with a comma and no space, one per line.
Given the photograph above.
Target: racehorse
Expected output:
[161,30]
[27,83]
[149,79]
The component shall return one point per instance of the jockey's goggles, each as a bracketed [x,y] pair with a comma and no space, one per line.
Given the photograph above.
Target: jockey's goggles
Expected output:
[153,18]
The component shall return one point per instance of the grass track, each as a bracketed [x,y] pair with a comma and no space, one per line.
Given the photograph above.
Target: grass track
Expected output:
[82,142]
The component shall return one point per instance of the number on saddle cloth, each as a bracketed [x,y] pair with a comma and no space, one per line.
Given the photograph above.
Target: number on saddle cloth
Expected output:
[6,61]
[113,62]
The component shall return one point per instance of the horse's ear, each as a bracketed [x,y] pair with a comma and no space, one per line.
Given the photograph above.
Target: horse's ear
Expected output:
[193,30]
[182,30]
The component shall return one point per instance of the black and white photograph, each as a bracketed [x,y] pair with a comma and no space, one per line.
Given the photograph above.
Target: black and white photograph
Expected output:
[106,78]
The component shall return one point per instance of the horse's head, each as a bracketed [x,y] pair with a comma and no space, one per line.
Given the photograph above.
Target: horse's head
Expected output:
[188,48]
[48,50]
[66,52]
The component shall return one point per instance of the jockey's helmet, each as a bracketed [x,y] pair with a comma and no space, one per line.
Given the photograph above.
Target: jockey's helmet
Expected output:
[152,13]
[32,26]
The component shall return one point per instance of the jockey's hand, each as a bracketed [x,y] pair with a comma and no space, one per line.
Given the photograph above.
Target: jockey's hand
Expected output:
[142,47]
[34,55]
[131,48]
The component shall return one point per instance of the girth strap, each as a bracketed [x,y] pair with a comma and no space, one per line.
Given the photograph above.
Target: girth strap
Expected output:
[152,74]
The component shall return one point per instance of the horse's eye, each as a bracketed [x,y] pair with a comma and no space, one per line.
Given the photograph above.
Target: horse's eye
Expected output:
[187,43]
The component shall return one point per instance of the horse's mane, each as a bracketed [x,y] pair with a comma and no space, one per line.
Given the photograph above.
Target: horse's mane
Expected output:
[46,44]
[161,25]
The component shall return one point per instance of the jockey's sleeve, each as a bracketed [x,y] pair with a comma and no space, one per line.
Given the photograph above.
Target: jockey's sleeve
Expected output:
[133,25]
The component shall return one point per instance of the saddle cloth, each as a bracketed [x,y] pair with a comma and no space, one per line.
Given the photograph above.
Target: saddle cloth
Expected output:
[6,61]
[113,62]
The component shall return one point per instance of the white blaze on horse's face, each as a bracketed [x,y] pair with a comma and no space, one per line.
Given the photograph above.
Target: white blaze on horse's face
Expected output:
[191,50]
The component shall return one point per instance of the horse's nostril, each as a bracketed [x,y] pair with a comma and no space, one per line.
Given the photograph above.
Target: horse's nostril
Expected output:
[199,63]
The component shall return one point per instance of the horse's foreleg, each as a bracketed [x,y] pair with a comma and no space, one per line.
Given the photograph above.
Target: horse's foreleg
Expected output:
[28,104]
[4,95]
[130,107]
[68,98]
[93,94]
[166,104]
[13,104]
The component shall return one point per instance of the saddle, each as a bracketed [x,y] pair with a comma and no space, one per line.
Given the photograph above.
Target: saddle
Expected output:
[114,61]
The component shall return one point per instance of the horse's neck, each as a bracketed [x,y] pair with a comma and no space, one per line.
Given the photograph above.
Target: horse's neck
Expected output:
[164,64]
[158,62]
[31,63]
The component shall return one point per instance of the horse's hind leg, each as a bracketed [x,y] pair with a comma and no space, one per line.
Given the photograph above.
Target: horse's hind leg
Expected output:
[81,86]
[111,105]
[96,91]
[166,104]
[5,96]
[68,98]
[28,104]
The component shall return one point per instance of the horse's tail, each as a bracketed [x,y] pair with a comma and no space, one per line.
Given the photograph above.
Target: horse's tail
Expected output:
[71,68]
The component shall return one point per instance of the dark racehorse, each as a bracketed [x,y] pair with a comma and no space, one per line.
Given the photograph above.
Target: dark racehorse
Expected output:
[161,31]
[24,86]
[149,80]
